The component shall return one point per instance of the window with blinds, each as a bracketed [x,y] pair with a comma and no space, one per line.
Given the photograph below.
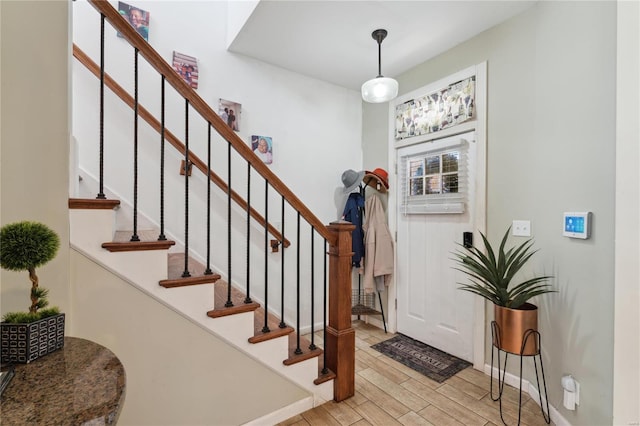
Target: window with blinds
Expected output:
[435,181]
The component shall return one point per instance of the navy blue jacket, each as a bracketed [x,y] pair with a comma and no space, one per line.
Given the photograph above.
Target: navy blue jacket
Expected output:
[353,210]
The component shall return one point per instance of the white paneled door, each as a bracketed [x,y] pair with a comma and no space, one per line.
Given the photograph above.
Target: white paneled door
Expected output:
[437,192]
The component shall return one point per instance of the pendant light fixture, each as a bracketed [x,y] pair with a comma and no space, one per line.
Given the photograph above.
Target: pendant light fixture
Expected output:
[379,89]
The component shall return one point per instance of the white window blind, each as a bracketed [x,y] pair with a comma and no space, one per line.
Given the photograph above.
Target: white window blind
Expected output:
[435,182]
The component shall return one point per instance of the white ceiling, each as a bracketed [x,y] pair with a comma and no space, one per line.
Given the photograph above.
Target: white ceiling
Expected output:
[331,40]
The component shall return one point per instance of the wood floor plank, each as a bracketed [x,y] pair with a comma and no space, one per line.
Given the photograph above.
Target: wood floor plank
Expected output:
[376,415]
[357,399]
[373,339]
[391,405]
[409,372]
[469,388]
[480,407]
[438,417]
[366,347]
[459,411]
[510,409]
[342,412]
[302,422]
[408,398]
[414,419]
[362,422]
[474,376]
[387,370]
[297,420]
[319,417]
[532,406]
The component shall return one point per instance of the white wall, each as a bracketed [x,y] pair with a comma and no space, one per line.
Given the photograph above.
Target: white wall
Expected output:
[316,130]
[551,148]
[34,139]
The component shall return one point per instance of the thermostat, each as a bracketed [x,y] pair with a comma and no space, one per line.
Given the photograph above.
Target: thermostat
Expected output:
[577,225]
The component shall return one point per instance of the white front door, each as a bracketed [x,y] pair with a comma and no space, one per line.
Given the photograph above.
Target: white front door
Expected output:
[436,204]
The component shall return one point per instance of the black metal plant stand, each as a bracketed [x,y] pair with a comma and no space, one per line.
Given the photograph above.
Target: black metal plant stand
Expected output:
[495,338]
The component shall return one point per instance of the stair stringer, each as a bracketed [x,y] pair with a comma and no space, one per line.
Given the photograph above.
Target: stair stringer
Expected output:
[89,228]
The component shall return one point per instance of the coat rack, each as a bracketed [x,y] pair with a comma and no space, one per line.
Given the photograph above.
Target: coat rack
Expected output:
[363,303]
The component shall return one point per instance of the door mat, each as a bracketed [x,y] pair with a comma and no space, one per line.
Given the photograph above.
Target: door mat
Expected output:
[431,362]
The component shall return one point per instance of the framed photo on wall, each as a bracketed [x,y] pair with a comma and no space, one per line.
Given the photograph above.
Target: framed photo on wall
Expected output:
[230,113]
[187,67]
[262,146]
[138,18]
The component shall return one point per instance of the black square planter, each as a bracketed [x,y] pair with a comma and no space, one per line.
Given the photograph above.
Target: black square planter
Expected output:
[23,343]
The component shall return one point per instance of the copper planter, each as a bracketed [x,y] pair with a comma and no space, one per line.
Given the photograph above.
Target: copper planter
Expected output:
[511,326]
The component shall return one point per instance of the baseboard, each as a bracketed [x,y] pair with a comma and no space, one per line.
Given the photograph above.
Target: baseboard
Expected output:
[283,413]
[532,391]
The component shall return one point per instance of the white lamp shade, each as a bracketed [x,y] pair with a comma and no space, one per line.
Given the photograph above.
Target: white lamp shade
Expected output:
[379,89]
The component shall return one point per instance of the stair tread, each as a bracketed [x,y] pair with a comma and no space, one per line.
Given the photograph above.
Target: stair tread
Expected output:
[148,240]
[93,203]
[137,245]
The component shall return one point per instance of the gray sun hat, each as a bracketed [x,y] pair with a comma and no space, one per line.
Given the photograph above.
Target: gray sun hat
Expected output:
[351,179]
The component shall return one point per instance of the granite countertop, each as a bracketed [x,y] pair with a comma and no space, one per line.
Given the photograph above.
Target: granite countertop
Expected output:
[81,384]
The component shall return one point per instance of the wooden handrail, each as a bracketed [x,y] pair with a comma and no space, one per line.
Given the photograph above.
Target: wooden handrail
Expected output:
[198,104]
[172,139]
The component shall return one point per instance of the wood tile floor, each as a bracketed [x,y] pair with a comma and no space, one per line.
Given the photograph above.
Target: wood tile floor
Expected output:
[388,393]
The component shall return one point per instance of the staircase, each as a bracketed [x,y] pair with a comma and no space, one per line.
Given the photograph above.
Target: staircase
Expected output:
[149,266]
[229,305]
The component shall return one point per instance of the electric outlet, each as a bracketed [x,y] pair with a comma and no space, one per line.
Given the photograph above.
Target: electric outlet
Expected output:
[521,228]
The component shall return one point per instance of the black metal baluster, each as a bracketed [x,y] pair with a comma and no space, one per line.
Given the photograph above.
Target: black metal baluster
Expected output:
[135,236]
[208,271]
[248,298]
[265,329]
[162,237]
[298,351]
[186,273]
[229,303]
[325,370]
[101,195]
[312,346]
[282,323]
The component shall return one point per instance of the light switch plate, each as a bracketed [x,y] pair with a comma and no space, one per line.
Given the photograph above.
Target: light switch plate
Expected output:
[521,228]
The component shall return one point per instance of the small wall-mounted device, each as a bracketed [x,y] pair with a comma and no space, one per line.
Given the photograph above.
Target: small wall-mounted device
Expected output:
[467,239]
[577,225]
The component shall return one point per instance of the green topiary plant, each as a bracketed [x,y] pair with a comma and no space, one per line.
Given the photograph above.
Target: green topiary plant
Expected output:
[24,246]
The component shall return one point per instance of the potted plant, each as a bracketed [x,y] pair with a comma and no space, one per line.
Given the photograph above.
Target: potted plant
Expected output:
[24,336]
[491,274]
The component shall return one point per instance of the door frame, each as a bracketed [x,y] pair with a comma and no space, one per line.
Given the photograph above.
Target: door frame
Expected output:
[478,125]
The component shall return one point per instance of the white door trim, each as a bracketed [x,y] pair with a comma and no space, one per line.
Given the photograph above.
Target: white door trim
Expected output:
[480,126]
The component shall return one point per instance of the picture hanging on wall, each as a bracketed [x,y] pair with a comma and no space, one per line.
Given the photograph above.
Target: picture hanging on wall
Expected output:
[262,146]
[439,110]
[138,18]
[187,67]
[230,113]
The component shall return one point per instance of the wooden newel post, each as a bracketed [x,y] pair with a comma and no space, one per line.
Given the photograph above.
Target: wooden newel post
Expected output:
[341,337]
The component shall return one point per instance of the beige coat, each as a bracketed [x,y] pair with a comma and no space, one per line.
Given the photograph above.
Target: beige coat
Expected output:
[378,246]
